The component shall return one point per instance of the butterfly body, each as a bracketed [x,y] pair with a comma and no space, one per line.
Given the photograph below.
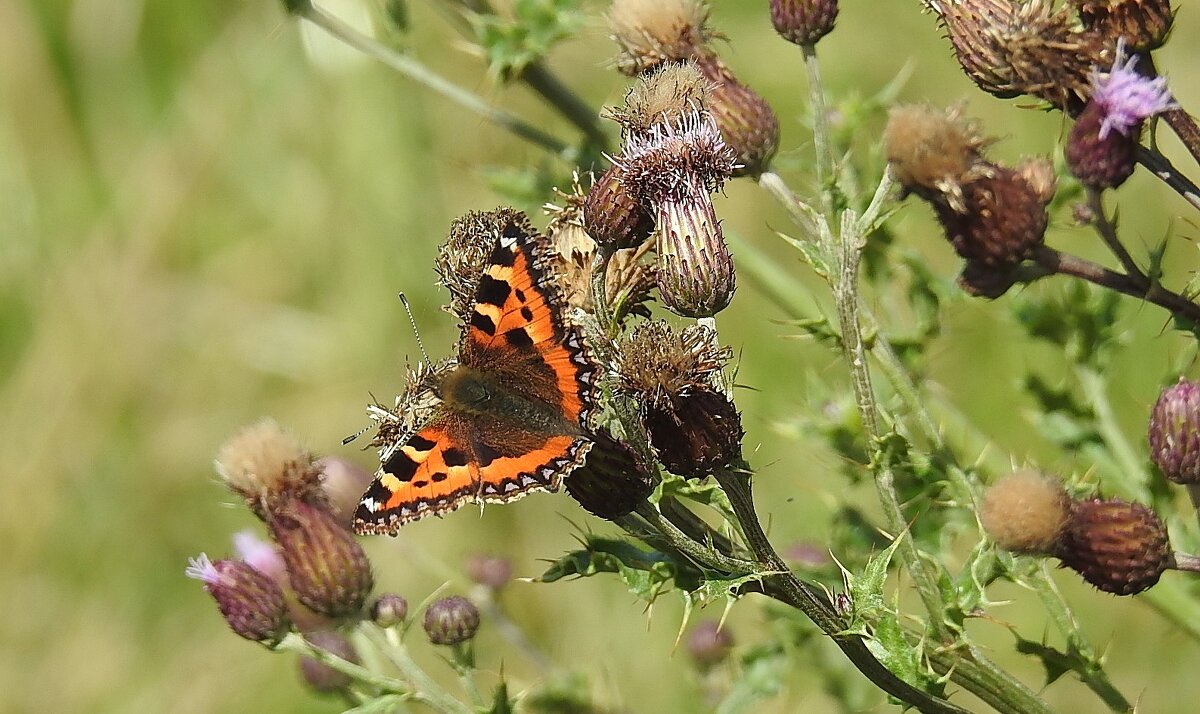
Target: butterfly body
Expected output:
[510,413]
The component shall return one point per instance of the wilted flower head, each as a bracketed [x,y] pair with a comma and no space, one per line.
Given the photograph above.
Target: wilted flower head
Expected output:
[462,257]
[653,163]
[1010,48]
[251,602]
[661,96]
[1119,547]
[267,465]
[1143,25]
[651,32]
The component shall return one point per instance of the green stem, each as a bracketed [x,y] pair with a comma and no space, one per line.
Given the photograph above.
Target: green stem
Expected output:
[784,586]
[424,688]
[693,550]
[821,142]
[1128,478]
[423,75]
[1095,678]
[1108,233]
[295,642]
[1166,172]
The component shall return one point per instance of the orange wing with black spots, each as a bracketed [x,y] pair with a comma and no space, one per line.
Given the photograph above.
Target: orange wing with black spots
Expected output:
[514,410]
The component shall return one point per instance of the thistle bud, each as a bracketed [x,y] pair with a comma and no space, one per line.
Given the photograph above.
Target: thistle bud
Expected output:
[491,571]
[1143,25]
[709,644]
[747,122]
[328,569]
[389,610]
[451,621]
[1121,548]
[1101,150]
[320,676]
[613,481]
[251,602]
[1010,48]
[1174,432]
[803,22]
[267,466]
[693,426]
[612,215]
[1025,512]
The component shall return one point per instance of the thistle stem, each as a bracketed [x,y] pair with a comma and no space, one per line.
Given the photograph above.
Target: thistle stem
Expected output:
[421,74]
[1108,233]
[1158,165]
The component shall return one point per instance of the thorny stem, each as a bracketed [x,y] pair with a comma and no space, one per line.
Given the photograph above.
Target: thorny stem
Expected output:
[1094,676]
[702,555]
[1108,233]
[421,74]
[783,585]
[1067,264]
[1184,126]
[1158,165]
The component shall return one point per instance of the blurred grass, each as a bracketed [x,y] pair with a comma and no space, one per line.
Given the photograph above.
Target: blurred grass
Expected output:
[201,224]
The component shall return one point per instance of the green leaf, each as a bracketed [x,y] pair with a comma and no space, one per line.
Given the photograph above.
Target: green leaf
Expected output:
[893,649]
[501,702]
[513,43]
[811,252]
[647,573]
[704,492]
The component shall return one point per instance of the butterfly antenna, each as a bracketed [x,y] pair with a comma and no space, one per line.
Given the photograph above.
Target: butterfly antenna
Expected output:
[416,333]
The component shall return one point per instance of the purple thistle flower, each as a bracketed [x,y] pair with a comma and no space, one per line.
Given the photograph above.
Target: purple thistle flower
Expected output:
[201,568]
[1128,98]
[261,555]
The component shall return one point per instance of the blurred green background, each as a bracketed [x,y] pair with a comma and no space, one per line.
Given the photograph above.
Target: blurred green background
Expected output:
[206,213]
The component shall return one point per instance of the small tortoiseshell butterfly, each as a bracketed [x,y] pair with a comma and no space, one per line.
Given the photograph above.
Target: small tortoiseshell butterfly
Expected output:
[507,417]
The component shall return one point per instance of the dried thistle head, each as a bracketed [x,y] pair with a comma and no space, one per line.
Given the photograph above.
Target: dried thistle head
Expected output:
[1143,25]
[661,95]
[462,256]
[934,152]
[651,32]
[572,249]
[1025,512]
[1119,547]
[1011,48]
[656,362]
[653,163]
[267,465]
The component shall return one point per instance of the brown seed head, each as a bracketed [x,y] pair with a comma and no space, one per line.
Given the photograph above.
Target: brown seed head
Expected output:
[1121,548]
[613,481]
[803,22]
[1143,25]
[267,465]
[1009,48]
[651,32]
[933,152]
[662,95]
[656,362]
[1003,222]
[1025,512]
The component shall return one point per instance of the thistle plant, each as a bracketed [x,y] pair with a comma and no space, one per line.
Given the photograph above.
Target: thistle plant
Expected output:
[646,270]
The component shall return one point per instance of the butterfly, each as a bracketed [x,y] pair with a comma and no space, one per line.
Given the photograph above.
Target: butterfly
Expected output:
[509,416]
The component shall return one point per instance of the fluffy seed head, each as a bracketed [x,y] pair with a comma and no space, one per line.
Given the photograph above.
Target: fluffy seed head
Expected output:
[932,151]
[651,32]
[661,95]
[1174,432]
[267,465]
[1025,512]
[1121,548]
